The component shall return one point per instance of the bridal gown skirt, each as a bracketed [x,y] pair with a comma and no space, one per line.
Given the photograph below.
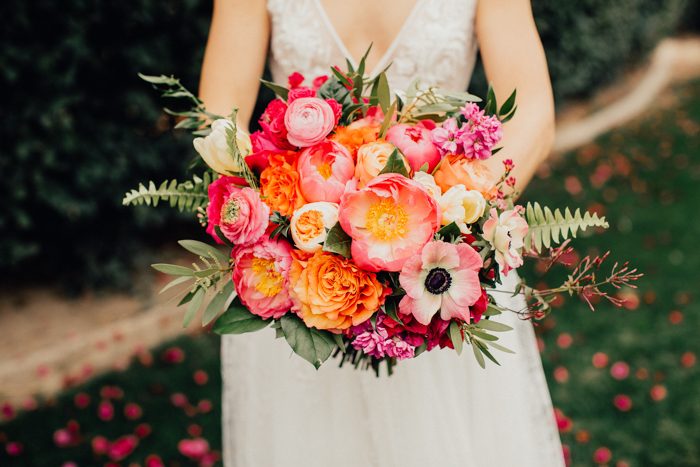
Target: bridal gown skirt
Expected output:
[438,409]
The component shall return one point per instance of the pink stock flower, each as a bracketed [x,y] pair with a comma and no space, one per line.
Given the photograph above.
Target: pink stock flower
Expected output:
[401,350]
[238,212]
[308,121]
[444,137]
[371,342]
[506,234]
[378,342]
[324,170]
[261,278]
[480,134]
[389,220]
[443,277]
[415,143]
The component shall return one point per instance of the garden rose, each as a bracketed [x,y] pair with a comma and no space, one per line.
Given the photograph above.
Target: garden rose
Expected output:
[461,206]
[353,138]
[444,277]
[473,174]
[324,170]
[506,233]
[416,144]
[308,121]
[260,274]
[389,220]
[310,224]
[279,184]
[331,292]
[239,212]
[372,158]
[213,148]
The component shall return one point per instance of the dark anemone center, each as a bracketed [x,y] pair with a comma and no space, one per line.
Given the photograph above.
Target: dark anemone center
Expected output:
[438,281]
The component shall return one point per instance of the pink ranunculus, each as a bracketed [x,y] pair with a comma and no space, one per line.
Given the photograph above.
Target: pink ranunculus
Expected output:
[261,277]
[324,170]
[308,121]
[239,212]
[298,93]
[389,220]
[506,234]
[272,124]
[444,277]
[416,144]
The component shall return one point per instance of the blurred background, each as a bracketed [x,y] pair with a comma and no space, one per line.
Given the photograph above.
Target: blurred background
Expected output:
[95,369]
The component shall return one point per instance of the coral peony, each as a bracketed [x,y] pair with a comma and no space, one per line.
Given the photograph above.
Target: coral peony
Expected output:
[389,220]
[261,278]
[445,278]
[308,121]
[238,212]
[506,233]
[310,224]
[372,158]
[474,175]
[331,292]
[324,170]
[415,143]
[462,207]
[279,184]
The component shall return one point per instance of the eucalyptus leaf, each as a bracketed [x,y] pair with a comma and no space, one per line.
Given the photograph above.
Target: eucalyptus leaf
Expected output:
[337,241]
[456,337]
[216,305]
[383,93]
[493,326]
[486,352]
[312,345]
[204,249]
[478,355]
[173,269]
[387,118]
[492,310]
[175,282]
[395,164]
[237,319]
[500,347]
[193,306]
[484,335]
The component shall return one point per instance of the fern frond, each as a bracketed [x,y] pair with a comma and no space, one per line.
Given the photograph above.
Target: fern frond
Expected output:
[189,195]
[549,228]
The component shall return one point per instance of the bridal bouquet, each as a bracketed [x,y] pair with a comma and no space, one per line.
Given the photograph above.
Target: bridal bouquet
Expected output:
[361,223]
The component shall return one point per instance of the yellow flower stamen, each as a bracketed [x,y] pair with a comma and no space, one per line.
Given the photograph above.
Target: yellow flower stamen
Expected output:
[386,220]
[269,280]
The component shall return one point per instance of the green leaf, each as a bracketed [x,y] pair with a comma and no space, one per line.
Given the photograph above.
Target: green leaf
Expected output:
[193,306]
[500,347]
[486,352]
[390,308]
[484,335]
[395,164]
[424,168]
[222,237]
[204,249]
[237,319]
[491,106]
[456,337]
[281,91]
[478,355]
[508,105]
[450,232]
[173,269]
[312,345]
[337,241]
[492,310]
[548,228]
[216,305]
[175,282]
[383,93]
[189,195]
[387,118]
[338,338]
[493,326]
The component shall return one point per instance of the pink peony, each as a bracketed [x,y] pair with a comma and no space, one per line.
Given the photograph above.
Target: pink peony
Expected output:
[445,278]
[273,126]
[415,143]
[261,277]
[239,212]
[308,121]
[324,170]
[389,220]
[506,233]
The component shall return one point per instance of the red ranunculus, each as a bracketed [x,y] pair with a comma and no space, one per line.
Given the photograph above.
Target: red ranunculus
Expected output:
[294,80]
[272,124]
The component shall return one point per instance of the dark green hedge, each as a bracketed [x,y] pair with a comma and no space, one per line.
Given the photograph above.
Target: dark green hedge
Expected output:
[79,128]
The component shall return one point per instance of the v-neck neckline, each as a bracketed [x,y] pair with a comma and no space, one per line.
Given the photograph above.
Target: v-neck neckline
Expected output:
[343,48]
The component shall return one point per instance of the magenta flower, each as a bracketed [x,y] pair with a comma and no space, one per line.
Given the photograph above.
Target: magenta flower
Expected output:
[480,134]
[371,342]
[443,277]
[399,349]
[444,137]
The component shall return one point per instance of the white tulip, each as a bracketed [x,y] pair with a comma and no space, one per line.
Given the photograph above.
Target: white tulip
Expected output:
[213,148]
[462,206]
[310,224]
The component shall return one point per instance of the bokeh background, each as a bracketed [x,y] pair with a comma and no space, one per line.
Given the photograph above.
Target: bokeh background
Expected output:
[79,129]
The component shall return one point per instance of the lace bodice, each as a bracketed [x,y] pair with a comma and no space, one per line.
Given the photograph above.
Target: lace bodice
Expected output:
[435,44]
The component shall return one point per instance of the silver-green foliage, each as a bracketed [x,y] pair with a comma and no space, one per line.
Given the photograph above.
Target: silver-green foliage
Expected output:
[549,228]
[189,195]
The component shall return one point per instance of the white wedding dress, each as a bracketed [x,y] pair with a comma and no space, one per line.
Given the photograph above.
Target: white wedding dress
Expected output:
[439,409]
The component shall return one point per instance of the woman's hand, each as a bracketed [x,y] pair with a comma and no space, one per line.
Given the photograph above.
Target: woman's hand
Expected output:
[513,58]
[235,56]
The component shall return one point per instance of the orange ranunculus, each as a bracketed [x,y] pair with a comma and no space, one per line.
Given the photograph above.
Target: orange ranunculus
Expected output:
[331,292]
[473,174]
[279,184]
[353,138]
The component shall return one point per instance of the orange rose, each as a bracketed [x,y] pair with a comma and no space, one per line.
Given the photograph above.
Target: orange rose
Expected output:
[473,174]
[279,184]
[353,138]
[372,158]
[331,292]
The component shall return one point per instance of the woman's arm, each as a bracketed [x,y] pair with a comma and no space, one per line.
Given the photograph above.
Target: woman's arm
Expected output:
[234,59]
[513,58]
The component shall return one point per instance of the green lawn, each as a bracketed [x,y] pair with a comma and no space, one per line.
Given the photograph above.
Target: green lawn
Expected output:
[638,403]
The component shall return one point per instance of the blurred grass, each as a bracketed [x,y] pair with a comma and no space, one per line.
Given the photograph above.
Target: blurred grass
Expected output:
[645,178]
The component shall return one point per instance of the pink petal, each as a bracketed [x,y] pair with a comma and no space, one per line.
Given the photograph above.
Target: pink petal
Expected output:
[469,258]
[423,309]
[440,255]
[412,277]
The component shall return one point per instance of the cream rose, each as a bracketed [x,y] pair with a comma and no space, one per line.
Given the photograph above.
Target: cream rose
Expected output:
[371,159]
[310,224]
[428,182]
[462,207]
[213,148]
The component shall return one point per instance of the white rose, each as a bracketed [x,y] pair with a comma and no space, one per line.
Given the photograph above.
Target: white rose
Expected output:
[462,206]
[310,223]
[428,182]
[213,148]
